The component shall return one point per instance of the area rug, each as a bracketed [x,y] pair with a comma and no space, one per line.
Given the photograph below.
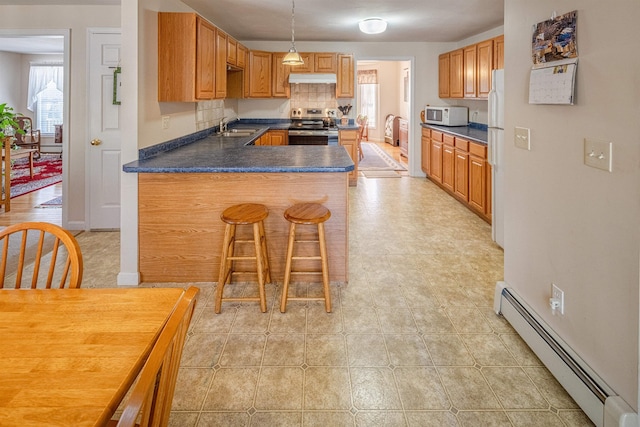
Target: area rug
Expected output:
[47,170]
[375,158]
[53,203]
[381,174]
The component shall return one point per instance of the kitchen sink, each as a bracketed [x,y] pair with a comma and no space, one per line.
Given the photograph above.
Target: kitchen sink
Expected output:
[235,133]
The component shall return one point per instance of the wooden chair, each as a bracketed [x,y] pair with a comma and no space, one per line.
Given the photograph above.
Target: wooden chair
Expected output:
[149,402]
[28,246]
[363,133]
[31,137]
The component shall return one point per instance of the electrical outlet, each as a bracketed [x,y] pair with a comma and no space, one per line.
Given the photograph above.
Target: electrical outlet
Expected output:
[557,299]
[165,122]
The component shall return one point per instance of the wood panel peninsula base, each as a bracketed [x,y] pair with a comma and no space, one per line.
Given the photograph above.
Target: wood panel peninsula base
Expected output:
[181,234]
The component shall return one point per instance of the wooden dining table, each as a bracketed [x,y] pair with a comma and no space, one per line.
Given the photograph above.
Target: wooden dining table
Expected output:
[70,355]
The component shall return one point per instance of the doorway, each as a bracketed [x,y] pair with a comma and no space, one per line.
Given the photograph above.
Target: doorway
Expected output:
[384,88]
[20,49]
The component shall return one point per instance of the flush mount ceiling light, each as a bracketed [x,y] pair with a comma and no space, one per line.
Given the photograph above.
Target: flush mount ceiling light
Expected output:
[293,57]
[373,25]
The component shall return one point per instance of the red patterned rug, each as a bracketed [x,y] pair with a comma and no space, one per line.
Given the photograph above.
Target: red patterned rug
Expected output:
[47,170]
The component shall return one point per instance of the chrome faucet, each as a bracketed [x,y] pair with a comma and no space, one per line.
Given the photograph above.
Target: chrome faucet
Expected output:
[223,124]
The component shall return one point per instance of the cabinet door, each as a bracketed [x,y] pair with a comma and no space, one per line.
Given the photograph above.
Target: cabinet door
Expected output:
[307,67]
[345,86]
[477,183]
[498,52]
[425,140]
[221,64]
[259,74]
[470,71]
[281,87]
[484,67]
[443,76]
[448,166]
[456,74]
[461,173]
[241,60]
[436,161]
[325,63]
[278,137]
[232,51]
[349,140]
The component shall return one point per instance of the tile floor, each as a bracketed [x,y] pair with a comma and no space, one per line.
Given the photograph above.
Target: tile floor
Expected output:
[412,339]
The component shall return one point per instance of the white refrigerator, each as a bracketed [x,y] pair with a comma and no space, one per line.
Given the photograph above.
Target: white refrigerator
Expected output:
[496,154]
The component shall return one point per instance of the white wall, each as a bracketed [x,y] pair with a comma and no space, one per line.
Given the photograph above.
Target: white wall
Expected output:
[77,18]
[566,223]
[11,73]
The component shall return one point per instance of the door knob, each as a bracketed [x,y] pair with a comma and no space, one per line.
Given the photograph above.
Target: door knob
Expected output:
[96,141]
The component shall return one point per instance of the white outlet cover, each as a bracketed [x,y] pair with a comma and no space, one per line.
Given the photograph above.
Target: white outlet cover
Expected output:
[598,154]
[522,138]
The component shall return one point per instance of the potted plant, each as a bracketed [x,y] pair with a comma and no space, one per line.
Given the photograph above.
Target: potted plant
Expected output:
[8,125]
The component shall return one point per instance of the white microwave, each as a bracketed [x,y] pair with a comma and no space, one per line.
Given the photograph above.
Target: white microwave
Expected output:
[446,115]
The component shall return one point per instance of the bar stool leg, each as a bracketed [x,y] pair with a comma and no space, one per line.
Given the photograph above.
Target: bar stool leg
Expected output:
[265,253]
[287,268]
[225,264]
[260,264]
[325,267]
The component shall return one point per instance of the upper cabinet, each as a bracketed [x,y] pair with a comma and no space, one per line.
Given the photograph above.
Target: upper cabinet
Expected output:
[221,64]
[346,76]
[316,62]
[186,58]
[260,74]
[280,76]
[466,72]
[232,51]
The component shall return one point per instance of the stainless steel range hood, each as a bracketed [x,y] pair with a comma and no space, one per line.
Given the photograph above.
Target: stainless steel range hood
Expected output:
[312,78]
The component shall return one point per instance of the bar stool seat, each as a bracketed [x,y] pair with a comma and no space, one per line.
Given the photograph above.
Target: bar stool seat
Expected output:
[244,214]
[307,214]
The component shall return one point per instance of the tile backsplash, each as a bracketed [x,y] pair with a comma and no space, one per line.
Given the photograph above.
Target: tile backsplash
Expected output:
[209,113]
[313,95]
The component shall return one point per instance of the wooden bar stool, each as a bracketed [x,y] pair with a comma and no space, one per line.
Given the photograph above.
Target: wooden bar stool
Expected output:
[307,214]
[244,214]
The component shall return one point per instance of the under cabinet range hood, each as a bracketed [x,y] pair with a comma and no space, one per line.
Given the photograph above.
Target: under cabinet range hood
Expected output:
[319,78]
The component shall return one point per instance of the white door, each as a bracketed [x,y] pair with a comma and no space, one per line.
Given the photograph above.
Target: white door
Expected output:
[103,146]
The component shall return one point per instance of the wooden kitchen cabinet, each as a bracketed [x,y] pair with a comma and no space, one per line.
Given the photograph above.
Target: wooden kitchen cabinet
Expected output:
[425,140]
[478,178]
[461,166]
[436,156]
[498,52]
[456,74]
[241,60]
[278,137]
[221,64]
[443,75]
[186,58]
[281,86]
[325,63]
[484,65]
[448,162]
[232,51]
[307,67]
[259,74]
[345,78]
[469,60]
[349,140]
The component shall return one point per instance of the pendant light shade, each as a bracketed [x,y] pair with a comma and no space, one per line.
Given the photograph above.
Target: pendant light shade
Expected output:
[293,57]
[373,25]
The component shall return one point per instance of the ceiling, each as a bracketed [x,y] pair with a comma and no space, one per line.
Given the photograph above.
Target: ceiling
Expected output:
[326,20]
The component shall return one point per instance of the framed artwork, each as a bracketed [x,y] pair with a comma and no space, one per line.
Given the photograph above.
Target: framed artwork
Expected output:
[555,39]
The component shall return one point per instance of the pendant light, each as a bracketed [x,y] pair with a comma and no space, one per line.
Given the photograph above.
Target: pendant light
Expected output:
[293,57]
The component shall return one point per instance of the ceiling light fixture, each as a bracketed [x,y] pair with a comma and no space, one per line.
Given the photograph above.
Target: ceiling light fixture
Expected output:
[293,57]
[373,25]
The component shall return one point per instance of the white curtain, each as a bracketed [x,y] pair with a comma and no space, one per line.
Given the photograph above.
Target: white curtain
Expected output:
[368,96]
[39,77]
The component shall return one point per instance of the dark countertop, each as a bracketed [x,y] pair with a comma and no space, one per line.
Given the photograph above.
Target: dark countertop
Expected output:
[468,132]
[210,153]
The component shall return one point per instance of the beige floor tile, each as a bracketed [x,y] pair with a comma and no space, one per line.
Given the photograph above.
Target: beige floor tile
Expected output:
[327,388]
[243,350]
[360,320]
[191,389]
[202,350]
[488,350]
[327,418]
[535,418]
[420,388]
[514,388]
[468,320]
[575,418]
[380,419]
[366,350]
[407,350]
[284,350]
[326,350]
[520,350]
[396,320]
[374,388]
[232,389]
[432,320]
[551,388]
[319,321]
[250,320]
[183,419]
[215,323]
[467,388]
[277,419]
[432,419]
[448,350]
[293,321]
[484,419]
[227,419]
[279,388]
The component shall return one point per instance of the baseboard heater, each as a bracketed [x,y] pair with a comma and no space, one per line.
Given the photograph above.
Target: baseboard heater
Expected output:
[590,392]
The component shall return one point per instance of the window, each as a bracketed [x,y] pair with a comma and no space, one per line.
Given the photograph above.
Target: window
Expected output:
[368,95]
[45,96]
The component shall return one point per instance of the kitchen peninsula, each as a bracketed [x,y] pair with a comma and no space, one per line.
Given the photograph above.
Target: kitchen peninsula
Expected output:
[184,185]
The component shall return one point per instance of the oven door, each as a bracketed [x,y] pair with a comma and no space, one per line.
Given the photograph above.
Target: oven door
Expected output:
[297,137]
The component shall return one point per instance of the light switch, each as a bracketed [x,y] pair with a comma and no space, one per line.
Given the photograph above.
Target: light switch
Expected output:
[598,154]
[523,138]
[165,122]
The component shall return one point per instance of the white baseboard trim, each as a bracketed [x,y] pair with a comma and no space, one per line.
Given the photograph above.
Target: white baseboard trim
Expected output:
[128,279]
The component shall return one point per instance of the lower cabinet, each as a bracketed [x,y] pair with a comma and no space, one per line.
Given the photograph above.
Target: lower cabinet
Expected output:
[349,140]
[274,137]
[460,167]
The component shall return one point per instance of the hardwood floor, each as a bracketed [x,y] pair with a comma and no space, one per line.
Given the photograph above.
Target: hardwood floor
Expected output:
[23,208]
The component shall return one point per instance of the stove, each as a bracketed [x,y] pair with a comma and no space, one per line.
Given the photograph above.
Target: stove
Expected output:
[313,126]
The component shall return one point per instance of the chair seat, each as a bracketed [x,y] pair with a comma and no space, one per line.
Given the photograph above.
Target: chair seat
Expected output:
[245,213]
[307,213]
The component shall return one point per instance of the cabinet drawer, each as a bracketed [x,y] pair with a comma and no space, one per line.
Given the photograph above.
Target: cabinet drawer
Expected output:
[478,150]
[436,135]
[449,139]
[462,144]
[426,133]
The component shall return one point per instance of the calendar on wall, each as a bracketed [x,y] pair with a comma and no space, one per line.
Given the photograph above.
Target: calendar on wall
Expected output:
[555,58]
[553,83]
